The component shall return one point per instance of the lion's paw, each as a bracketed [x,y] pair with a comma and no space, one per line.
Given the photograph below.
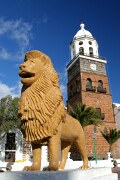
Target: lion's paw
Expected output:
[84,167]
[31,168]
[49,169]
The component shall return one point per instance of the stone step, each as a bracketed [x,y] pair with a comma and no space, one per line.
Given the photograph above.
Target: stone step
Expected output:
[89,174]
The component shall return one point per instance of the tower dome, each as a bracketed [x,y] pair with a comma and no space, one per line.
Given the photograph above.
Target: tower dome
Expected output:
[84,43]
[83,32]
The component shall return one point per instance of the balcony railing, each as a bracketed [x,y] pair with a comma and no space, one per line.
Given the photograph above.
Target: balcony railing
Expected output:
[84,54]
[91,55]
[101,90]
[90,88]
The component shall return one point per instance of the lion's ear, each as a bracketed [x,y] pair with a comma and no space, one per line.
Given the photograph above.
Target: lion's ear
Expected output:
[46,60]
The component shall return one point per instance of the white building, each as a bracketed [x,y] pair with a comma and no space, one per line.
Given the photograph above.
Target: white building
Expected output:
[117,117]
[20,149]
[117,114]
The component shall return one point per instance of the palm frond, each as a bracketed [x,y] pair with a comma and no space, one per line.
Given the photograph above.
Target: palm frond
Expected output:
[111,135]
[85,115]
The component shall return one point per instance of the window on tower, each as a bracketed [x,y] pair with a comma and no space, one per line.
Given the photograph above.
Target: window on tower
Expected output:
[90,42]
[102,115]
[81,50]
[91,51]
[89,86]
[100,87]
[81,42]
[89,82]
[100,84]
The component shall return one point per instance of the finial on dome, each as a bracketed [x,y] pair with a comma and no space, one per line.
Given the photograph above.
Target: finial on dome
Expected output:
[82,26]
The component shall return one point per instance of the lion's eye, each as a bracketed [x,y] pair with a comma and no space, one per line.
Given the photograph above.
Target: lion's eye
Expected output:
[32,61]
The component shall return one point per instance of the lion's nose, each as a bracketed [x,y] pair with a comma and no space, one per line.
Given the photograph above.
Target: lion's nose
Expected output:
[22,66]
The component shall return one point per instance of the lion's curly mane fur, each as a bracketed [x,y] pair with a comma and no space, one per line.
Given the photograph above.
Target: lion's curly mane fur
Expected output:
[41,106]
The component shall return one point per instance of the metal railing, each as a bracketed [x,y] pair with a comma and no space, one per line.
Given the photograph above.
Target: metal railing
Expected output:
[86,55]
[90,88]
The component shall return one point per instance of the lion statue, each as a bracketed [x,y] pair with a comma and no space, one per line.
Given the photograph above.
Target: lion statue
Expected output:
[44,120]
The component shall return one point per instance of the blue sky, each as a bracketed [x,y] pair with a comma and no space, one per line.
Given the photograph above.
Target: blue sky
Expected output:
[49,26]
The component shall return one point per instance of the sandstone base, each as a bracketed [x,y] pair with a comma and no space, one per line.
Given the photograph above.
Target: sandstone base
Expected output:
[90,174]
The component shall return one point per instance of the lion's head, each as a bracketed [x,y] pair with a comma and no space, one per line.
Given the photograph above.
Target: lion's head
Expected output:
[32,67]
[41,104]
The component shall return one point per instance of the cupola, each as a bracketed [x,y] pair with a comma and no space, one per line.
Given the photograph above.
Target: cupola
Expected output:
[84,43]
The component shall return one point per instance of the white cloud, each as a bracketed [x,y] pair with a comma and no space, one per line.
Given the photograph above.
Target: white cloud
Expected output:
[63,75]
[64,91]
[45,19]
[19,87]
[41,20]
[7,90]
[4,53]
[19,32]
[63,86]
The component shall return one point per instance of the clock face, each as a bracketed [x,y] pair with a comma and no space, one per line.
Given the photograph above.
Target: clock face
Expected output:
[93,67]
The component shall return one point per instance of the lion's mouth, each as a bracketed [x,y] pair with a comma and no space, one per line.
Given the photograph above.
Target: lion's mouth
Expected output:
[24,74]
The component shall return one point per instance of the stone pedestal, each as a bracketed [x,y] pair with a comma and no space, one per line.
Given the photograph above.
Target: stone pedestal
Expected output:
[90,174]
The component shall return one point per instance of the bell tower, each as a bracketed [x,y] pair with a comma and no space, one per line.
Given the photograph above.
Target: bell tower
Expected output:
[88,84]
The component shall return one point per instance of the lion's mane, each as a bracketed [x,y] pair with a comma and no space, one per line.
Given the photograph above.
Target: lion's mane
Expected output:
[41,106]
